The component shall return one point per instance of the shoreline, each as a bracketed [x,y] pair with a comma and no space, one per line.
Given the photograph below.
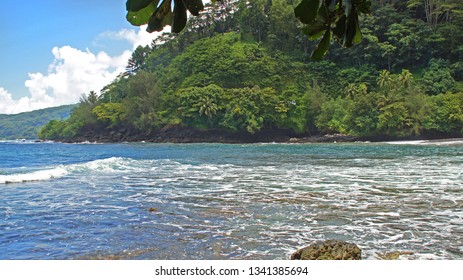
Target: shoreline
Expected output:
[192,135]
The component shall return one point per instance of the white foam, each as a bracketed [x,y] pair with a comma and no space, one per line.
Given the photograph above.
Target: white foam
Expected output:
[103,165]
[446,143]
[411,142]
[113,165]
[108,165]
[390,214]
[41,175]
[443,142]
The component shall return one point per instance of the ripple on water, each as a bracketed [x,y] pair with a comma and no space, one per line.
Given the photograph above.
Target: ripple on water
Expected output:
[254,207]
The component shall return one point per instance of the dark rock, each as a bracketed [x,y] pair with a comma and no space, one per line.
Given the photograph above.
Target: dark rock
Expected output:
[329,250]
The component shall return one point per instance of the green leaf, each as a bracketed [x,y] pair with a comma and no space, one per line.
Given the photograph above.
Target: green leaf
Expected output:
[194,6]
[352,33]
[307,10]
[358,32]
[142,16]
[340,28]
[180,16]
[315,30]
[322,47]
[161,17]
[348,7]
[137,5]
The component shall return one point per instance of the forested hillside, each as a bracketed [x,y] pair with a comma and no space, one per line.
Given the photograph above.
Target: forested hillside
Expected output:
[244,66]
[27,125]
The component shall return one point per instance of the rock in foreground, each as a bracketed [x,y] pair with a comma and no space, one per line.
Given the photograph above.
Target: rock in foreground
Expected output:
[395,255]
[329,250]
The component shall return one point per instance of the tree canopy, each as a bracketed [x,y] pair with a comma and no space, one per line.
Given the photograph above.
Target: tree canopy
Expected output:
[325,19]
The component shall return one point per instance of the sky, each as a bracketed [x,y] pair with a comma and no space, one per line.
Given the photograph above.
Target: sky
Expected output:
[53,51]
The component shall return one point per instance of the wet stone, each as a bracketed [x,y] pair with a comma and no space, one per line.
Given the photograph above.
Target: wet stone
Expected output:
[329,250]
[393,255]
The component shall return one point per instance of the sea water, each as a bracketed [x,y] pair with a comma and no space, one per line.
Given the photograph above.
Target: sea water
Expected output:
[218,201]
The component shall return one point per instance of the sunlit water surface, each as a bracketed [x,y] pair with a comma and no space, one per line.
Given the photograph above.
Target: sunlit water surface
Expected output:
[216,201]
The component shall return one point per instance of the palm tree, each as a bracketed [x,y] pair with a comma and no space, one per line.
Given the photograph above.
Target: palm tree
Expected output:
[207,107]
[384,79]
[362,89]
[405,78]
[351,90]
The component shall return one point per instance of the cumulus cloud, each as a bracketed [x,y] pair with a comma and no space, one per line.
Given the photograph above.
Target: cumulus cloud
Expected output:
[8,105]
[6,102]
[72,73]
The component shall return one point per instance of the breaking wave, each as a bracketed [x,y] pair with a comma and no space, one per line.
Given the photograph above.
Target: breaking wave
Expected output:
[108,165]
[41,175]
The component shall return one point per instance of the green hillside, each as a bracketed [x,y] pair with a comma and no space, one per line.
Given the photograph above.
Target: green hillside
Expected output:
[26,125]
[246,67]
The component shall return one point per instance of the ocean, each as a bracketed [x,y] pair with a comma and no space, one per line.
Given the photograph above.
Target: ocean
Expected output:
[222,201]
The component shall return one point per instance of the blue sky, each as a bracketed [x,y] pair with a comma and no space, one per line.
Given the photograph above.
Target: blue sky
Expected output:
[52,51]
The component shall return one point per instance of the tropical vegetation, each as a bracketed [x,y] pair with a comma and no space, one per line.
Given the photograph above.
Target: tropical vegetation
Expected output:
[246,66]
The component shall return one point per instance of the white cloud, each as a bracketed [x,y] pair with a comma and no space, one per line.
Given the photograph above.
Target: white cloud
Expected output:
[136,38]
[6,102]
[74,72]
[8,105]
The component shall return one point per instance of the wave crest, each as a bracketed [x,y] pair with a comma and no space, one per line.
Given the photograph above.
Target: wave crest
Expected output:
[41,175]
[107,165]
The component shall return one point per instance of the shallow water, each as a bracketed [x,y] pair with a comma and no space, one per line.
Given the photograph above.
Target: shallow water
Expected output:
[216,201]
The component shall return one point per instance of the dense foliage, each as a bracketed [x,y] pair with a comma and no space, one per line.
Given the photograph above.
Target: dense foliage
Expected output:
[325,19]
[245,66]
[27,125]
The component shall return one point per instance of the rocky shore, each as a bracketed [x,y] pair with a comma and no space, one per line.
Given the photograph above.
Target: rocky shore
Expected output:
[178,134]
